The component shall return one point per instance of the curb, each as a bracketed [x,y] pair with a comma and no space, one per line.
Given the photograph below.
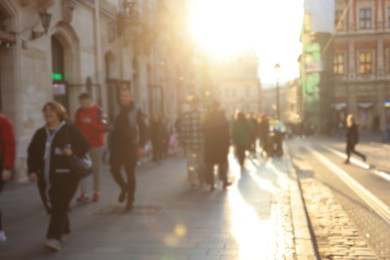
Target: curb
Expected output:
[304,246]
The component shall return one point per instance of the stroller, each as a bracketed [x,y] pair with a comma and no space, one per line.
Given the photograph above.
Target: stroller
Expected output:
[274,146]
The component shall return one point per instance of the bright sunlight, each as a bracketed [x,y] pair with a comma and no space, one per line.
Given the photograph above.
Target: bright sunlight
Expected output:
[271,28]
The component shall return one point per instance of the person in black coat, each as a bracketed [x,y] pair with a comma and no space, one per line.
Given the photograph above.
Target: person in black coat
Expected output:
[128,136]
[216,146]
[352,138]
[157,132]
[48,165]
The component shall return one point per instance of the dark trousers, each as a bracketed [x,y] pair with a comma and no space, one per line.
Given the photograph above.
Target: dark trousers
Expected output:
[165,148]
[222,172]
[157,150]
[240,153]
[2,183]
[64,186]
[351,149]
[128,161]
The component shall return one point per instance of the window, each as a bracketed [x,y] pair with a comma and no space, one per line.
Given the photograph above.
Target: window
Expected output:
[388,62]
[338,23]
[365,63]
[338,64]
[388,17]
[365,16]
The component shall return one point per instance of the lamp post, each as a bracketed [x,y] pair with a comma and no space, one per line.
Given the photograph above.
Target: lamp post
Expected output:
[277,69]
[45,20]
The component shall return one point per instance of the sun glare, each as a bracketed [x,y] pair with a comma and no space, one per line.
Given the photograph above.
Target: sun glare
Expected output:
[271,28]
[223,25]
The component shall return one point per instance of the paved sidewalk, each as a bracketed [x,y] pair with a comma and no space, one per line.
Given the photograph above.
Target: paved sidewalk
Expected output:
[260,217]
[333,220]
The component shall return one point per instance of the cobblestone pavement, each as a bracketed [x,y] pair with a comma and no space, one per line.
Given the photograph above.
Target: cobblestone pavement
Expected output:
[337,237]
[343,225]
[260,216]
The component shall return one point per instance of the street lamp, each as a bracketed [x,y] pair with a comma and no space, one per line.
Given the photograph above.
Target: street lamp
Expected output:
[45,20]
[277,69]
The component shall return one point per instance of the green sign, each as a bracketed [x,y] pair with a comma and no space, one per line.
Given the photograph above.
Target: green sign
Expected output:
[56,76]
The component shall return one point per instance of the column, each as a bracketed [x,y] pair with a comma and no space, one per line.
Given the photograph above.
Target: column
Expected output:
[351,103]
[381,57]
[351,11]
[98,54]
[379,19]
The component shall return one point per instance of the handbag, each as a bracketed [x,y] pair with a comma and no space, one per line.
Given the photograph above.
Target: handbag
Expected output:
[80,166]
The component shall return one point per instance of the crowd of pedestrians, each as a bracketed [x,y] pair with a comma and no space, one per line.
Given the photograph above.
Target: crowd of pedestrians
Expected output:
[203,132]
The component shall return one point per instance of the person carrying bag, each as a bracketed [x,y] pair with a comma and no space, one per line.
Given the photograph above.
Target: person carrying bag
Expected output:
[48,164]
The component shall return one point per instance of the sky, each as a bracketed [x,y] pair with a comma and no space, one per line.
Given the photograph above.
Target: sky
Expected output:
[271,28]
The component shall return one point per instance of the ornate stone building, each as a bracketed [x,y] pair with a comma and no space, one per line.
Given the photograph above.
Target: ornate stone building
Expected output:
[239,84]
[56,49]
[361,62]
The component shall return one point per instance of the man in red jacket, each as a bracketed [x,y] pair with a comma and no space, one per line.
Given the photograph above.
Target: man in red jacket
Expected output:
[7,157]
[92,122]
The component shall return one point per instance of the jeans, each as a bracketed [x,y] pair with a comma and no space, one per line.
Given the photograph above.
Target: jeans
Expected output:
[63,188]
[96,154]
[195,166]
[128,161]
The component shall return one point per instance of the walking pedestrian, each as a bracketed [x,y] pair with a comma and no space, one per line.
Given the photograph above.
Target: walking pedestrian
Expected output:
[165,137]
[177,124]
[7,158]
[156,137]
[352,138]
[254,134]
[242,130]
[49,167]
[216,148]
[193,140]
[129,136]
[264,131]
[92,122]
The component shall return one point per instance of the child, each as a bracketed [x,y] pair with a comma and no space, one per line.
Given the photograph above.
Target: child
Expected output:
[173,144]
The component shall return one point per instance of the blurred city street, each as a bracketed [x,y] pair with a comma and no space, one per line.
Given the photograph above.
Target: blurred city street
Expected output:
[259,217]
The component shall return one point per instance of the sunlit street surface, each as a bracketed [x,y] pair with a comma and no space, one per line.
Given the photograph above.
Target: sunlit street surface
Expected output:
[250,220]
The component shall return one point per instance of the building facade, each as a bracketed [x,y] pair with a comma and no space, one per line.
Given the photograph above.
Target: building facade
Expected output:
[361,62]
[57,49]
[316,64]
[239,84]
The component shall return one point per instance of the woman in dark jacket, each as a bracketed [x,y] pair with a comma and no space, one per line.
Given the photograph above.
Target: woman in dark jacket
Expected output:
[352,138]
[48,165]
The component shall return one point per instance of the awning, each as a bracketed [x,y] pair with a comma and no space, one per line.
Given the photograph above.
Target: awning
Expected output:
[365,104]
[7,37]
[339,106]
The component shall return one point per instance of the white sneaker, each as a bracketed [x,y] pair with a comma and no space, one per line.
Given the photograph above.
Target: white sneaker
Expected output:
[3,238]
[53,244]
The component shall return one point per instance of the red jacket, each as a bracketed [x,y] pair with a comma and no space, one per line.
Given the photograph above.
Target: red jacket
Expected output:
[92,124]
[7,142]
